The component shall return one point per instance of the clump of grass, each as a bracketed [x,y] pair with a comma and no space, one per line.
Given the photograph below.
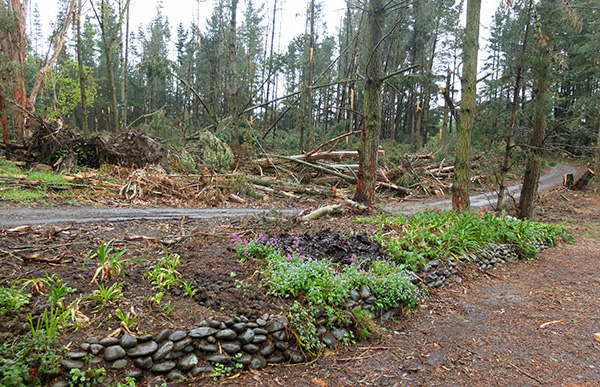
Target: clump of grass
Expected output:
[164,274]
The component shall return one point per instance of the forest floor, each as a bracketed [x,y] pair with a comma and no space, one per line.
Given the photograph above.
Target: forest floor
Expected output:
[522,324]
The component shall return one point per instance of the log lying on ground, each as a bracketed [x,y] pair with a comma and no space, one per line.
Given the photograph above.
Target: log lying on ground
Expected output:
[269,161]
[322,211]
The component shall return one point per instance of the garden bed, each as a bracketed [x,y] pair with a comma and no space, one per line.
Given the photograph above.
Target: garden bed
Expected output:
[214,285]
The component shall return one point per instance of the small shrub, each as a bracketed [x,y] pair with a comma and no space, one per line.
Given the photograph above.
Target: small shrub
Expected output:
[164,274]
[110,263]
[13,299]
[32,352]
[304,329]
[89,378]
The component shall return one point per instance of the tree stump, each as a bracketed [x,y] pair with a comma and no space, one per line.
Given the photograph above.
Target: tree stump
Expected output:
[584,179]
[568,180]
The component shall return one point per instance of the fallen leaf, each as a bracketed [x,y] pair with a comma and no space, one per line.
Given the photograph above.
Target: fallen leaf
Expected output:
[319,382]
[328,353]
[597,336]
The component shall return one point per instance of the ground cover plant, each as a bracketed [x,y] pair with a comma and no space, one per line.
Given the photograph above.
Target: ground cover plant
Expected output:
[430,235]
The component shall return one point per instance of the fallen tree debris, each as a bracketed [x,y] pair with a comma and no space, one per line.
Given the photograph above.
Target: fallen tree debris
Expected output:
[336,208]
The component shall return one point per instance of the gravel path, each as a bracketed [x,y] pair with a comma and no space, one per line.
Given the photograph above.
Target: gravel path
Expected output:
[23,216]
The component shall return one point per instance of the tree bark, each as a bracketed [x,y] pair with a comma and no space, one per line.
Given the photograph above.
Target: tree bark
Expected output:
[460,183]
[513,120]
[542,107]
[367,171]
[3,117]
[81,71]
[307,120]
[17,45]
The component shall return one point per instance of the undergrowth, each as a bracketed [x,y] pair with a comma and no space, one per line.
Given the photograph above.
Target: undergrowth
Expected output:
[325,284]
[432,235]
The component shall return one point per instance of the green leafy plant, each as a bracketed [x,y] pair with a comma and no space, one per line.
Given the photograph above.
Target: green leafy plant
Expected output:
[365,326]
[155,300]
[55,288]
[110,263]
[189,289]
[127,319]
[129,382]
[13,299]
[429,235]
[104,294]
[49,322]
[220,370]
[164,274]
[323,284]
[37,352]
[304,329]
[167,308]
[348,338]
[89,378]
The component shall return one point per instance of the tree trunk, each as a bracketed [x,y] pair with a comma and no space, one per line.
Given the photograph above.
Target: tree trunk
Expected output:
[3,117]
[17,45]
[597,158]
[513,119]
[460,183]
[367,170]
[306,129]
[60,42]
[124,71]
[82,75]
[542,107]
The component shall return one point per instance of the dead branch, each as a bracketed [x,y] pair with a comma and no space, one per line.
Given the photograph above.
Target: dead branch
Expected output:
[317,149]
[322,211]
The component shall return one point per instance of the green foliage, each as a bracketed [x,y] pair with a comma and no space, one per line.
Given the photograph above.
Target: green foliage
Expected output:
[12,299]
[257,248]
[129,382]
[66,81]
[104,294]
[156,301]
[50,322]
[189,289]
[322,283]
[37,352]
[431,235]
[55,288]
[304,329]
[110,264]
[216,154]
[164,274]
[126,318]
[89,378]
[220,370]
[365,326]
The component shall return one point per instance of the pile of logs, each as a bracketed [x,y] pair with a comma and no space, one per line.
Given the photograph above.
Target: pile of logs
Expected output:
[326,171]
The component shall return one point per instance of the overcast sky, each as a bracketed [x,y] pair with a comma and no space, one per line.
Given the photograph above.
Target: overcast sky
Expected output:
[186,11]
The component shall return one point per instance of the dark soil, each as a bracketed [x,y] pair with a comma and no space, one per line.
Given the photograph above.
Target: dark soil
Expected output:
[523,324]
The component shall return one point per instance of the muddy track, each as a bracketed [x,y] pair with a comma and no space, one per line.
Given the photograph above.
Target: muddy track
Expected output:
[25,216]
